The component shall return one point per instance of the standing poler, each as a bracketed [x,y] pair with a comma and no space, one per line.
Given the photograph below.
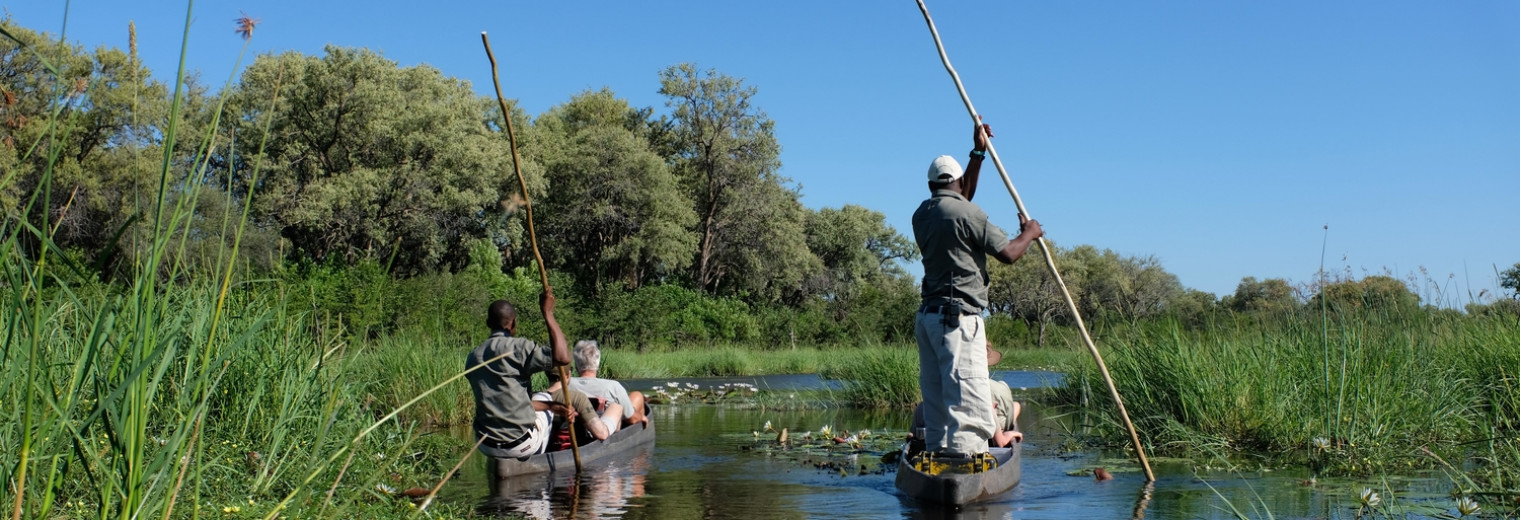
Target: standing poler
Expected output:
[955,238]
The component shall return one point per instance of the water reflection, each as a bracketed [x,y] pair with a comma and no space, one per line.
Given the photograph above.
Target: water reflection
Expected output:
[603,491]
[699,469]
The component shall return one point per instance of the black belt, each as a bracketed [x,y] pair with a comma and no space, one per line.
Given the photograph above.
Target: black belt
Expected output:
[504,446]
[945,309]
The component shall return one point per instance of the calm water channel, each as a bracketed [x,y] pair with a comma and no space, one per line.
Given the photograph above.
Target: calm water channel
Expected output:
[705,465]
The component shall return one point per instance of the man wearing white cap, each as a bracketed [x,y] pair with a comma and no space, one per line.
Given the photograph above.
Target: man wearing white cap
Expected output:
[955,238]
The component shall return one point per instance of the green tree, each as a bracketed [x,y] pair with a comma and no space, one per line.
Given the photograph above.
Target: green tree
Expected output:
[92,124]
[1510,279]
[750,225]
[614,212]
[857,248]
[366,159]
[1131,288]
[1370,293]
[1270,295]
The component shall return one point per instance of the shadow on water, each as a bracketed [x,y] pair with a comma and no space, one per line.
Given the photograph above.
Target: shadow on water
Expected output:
[705,464]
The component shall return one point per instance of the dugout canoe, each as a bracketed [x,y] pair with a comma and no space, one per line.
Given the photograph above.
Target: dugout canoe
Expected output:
[960,488]
[626,439]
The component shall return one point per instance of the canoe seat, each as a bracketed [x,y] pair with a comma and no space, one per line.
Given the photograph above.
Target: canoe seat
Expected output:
[928,463]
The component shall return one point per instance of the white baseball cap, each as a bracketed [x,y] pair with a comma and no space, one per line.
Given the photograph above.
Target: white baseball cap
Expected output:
[944,169]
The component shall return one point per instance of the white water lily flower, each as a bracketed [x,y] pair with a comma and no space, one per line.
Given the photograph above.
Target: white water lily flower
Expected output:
[826,431]
[1370,498]
[1321,443]
[673,384]
[755,433]
[863,433]
[768,427]
[1467,506]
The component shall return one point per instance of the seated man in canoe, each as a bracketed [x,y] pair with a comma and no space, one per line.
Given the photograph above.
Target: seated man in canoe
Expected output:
[586,415]
[507,422]
[1005,410]
[588,359]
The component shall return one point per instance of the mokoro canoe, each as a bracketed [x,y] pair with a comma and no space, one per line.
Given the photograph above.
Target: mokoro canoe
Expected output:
[960,488]
[625,439]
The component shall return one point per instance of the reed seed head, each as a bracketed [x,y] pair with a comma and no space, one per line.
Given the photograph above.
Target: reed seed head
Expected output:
[245,25]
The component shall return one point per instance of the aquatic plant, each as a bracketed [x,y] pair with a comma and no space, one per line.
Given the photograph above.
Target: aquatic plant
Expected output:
[878,378]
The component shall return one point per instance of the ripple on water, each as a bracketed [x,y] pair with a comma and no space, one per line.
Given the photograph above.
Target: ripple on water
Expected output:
[698,469]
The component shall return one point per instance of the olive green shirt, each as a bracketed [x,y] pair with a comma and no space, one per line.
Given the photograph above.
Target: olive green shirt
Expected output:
[503,410]
[955,238]
[1002,407]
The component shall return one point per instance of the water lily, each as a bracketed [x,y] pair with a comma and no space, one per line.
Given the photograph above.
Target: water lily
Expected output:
[1321,443]
[768,427]
[673,384]
[826,431]
[1370,498]
[1467,506]
[863,433]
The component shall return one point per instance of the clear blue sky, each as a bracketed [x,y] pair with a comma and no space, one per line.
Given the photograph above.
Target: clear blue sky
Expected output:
[1218,136]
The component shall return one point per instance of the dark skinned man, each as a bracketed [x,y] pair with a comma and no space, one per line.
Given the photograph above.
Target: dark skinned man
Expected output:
[511,423]
[955,238]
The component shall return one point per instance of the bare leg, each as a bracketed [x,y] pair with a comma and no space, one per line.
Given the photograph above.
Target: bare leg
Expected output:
[636,400]
[612,415]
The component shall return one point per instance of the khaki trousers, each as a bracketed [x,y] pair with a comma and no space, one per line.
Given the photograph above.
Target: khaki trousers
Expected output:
[953,377]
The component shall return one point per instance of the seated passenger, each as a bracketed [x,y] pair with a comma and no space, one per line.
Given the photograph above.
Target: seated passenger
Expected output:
[586,415]
[588,359]
[507,422]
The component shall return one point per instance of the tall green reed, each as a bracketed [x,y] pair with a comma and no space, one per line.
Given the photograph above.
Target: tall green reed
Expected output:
[135,397]
[1413,378]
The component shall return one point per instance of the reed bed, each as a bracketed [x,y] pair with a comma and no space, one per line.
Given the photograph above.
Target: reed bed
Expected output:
[172,392]
[1361,392]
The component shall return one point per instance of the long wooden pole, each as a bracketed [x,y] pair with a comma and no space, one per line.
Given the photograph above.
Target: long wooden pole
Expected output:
[1050,261]
[543,272]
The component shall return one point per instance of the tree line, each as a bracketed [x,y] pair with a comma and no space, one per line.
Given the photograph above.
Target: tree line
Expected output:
[349,162]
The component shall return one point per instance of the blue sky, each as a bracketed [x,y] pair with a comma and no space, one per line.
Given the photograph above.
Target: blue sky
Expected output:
[1218,136]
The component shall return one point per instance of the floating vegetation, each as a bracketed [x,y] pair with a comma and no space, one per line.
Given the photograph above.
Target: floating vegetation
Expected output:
[692,393]
[845,452]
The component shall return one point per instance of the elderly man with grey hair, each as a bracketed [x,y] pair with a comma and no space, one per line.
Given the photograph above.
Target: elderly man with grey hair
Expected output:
[588,359]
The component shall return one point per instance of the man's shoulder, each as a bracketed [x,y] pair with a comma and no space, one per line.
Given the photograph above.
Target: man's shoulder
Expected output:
[596,382]
[499,344]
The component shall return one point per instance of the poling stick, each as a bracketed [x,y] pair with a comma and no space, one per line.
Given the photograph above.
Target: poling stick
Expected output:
[543,272]
[1050,260]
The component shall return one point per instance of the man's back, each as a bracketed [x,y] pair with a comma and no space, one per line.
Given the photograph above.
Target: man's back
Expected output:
[503,409]
[608,389]
[954,236]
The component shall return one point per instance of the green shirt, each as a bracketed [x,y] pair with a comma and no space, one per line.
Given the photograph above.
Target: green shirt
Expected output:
[1002,407]
[503,410]
[955,238]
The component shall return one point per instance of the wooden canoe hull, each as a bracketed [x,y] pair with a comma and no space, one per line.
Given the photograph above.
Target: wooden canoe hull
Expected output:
[960,489]
[623,440]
